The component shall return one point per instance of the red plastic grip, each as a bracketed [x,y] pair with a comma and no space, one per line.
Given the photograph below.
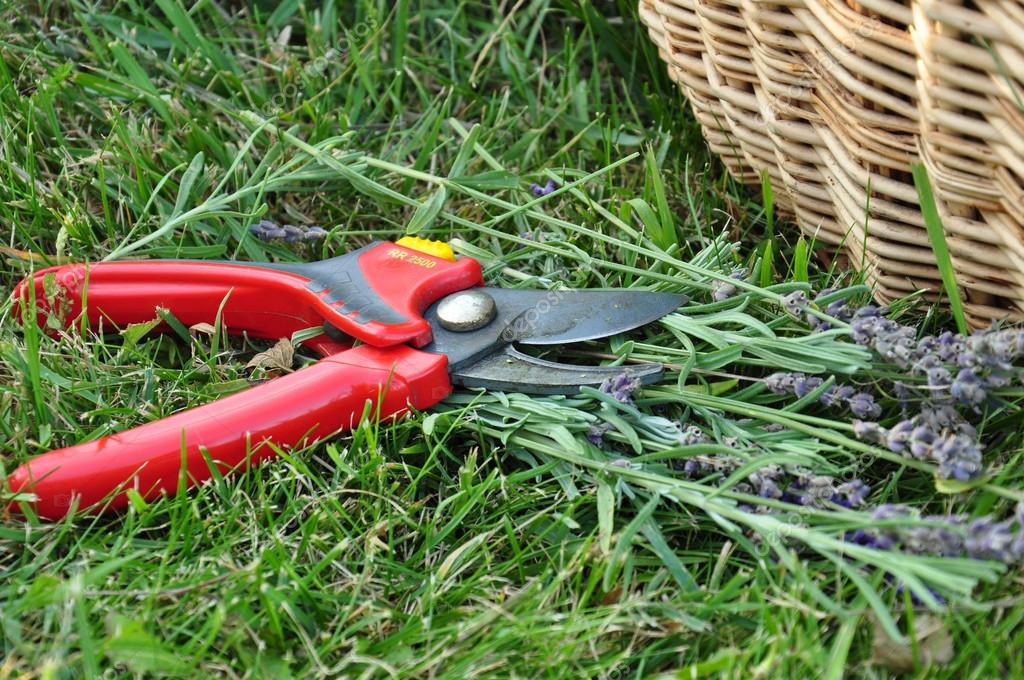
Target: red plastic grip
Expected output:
[294,410]
[266,301]
[408,281]
[262,302]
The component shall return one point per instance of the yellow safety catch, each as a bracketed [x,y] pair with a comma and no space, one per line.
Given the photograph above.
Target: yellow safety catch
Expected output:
[425,245]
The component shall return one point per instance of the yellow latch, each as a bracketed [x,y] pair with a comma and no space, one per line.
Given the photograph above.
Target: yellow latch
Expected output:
[425,245]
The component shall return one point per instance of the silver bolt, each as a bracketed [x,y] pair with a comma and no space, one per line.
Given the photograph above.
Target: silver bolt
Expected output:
[466,311]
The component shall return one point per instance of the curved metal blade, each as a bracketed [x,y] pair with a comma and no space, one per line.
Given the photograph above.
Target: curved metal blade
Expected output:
[541,317]
[557,317]
[512,371]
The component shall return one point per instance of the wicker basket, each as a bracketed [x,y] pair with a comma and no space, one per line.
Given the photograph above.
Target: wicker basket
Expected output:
[834,100]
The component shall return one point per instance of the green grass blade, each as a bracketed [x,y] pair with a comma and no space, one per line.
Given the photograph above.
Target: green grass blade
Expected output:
[937,236]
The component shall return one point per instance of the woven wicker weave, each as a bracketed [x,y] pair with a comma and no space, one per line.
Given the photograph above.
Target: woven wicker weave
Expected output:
[834,100]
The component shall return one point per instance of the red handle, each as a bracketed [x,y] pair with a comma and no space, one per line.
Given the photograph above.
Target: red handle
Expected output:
[294,410]
[375,294]
[262,302]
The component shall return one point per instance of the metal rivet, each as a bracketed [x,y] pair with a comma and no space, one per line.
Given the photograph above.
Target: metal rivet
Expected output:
[466,311]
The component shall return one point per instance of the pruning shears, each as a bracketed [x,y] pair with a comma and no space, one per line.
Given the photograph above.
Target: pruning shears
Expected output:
[402,324]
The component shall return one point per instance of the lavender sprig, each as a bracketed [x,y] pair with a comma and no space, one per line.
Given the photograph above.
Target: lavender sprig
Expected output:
[861,404]
[789,483]
[956,451]
[983,538]
[950,375]
[956,368]
[268,230]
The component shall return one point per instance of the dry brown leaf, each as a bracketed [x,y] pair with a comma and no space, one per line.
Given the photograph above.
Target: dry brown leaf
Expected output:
[203,327]
[934,646]
[276,360]
[35,258]
[612,596]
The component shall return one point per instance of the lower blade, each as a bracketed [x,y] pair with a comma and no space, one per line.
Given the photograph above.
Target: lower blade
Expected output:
[512,371]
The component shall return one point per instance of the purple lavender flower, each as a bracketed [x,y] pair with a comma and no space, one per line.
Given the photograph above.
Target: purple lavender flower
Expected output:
[622,387]
[995,348]
[766,481]
[839,310]
[887,338]
[863,406]
[925,360]
[898,435]
[837,395]
[944,417]
[1003,541]
[791,484]
[890,511]
[292,234]
[956,451]
[869,432]
[693,467]
[769,489]
[852,493]
[942,538]
[268,230]
[802,386]
[904,395]
[795,302]
[968,388]
[782,383]
[722,290]
[539,190]
[983,538]
[939,376]
[869,311]
[595,433]
[263,225]
[692,435]
[958,456]
[991,540]
[921,440]
[706,465]
[886,538]
[948,345]
[792,383]
[815,488]
[998,378]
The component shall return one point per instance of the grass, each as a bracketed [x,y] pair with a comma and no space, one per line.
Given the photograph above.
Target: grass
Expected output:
[486,537]
[937,236]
